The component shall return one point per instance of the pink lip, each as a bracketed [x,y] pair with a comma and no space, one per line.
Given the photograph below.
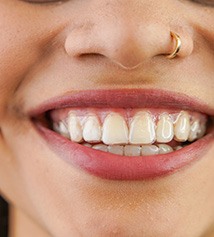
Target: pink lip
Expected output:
[115,167]
[124,98]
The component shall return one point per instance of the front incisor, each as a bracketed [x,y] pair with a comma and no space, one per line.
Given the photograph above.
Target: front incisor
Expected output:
[115,130]
[132,150]
[116,149]
[142,129]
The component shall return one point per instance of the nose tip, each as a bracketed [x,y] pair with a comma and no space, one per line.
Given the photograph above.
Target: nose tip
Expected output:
[124,50]
[124,45]
[115,43]
[127,44]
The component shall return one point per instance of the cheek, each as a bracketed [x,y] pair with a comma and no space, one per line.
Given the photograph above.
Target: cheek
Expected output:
[15,59]
[22,45]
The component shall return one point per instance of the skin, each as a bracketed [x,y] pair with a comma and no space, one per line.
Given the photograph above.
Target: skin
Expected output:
[48,50]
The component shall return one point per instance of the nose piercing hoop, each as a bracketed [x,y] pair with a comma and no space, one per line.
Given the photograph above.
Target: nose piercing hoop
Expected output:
[177,46]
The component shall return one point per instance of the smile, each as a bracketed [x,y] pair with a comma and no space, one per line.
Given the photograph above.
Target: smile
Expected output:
[125,134]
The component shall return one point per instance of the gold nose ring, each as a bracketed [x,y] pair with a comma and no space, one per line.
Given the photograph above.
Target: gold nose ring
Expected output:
[177,46]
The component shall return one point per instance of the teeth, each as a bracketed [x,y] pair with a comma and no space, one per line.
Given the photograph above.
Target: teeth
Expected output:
[202,131]
[87,144]
[163,149]
[92,129]
[164,131]
[149,150]
[74,128]
[116,149]
[100,147]
[115,130]
[194,130]
[182,127]
[62,129]
[142,129]
[132,150]
[178,148]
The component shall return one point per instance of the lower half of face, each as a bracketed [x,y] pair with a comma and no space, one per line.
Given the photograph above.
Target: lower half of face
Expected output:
[100,135]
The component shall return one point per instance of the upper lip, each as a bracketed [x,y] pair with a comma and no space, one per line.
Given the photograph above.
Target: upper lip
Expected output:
[124,98]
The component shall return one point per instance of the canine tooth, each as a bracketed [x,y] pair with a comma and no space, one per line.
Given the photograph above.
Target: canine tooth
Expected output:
[132,150]
[74,128]
[164,131]
[163,149]
[182,127]
[116,149]
[115,130]
[142,129]
[92,129]
[194,131]
[100,147]
[149,150]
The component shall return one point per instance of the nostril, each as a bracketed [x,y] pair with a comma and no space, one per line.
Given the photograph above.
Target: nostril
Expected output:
[91,55]
[82,42]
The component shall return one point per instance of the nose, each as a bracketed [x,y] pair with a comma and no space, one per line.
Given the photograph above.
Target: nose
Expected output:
[122,34]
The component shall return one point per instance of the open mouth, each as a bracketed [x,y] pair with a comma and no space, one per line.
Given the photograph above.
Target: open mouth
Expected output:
[125,139]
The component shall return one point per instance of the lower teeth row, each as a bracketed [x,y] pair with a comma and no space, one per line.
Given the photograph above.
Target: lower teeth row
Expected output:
[132,150]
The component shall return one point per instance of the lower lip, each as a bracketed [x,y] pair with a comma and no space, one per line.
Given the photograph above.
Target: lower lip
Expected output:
[116,167]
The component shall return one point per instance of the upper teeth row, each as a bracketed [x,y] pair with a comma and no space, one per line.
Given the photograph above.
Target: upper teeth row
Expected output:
[141,129]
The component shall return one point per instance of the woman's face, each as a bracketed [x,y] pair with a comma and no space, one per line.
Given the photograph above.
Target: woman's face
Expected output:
[53,50]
